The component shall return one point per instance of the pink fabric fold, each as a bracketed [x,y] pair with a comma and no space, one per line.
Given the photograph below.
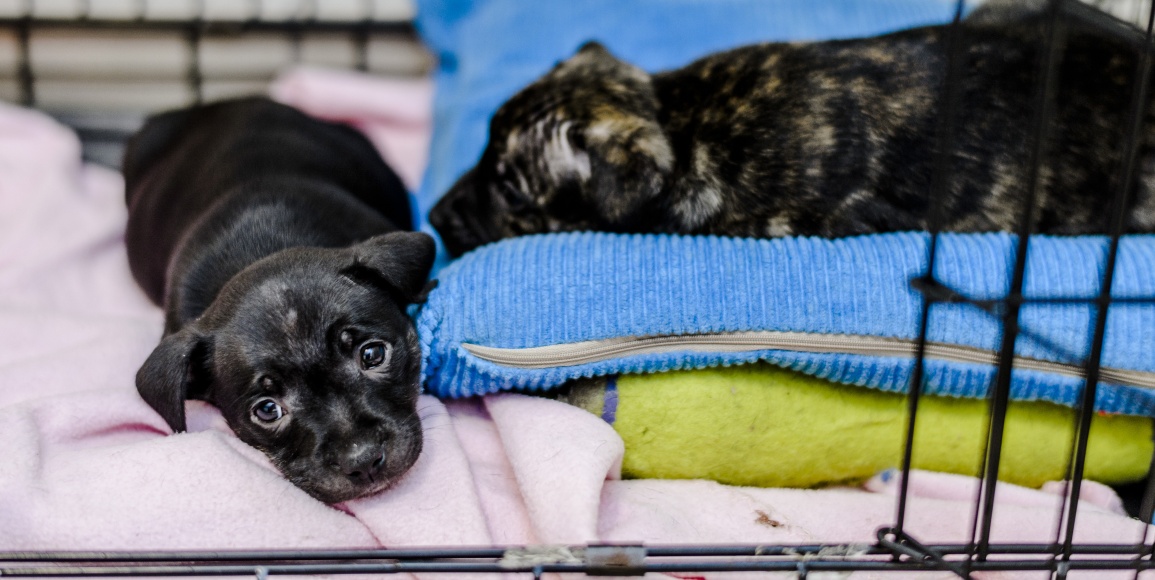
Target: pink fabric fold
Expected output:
[86,464]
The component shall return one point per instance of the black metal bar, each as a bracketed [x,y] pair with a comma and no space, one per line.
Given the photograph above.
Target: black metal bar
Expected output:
[903,544]
[1148,550]
[784,558]
[1147,506]
[817,564]
[296,35]
[194,76]
[1083,300]
[193,36]
[1044,103]
[940,292]
[947,549]
[399,27]
[939,191]
[361,37]
[298,32]
[660,551]
[361,42]
[23,27]
[996,308]
[1123,187]
[1082,14]
[250,555]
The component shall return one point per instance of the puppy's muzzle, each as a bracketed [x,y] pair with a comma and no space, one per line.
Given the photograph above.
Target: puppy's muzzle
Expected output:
[463,217]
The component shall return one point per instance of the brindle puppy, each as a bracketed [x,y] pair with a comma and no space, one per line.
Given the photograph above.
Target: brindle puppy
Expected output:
[827,138]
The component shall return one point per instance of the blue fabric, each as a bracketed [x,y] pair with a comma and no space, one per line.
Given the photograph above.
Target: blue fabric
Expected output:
[488,49]
[564,288]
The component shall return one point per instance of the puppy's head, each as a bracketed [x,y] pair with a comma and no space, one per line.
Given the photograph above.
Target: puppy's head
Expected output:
[311,358]
[580,148]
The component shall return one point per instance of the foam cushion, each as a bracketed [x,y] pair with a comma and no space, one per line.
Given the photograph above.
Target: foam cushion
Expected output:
[764,426]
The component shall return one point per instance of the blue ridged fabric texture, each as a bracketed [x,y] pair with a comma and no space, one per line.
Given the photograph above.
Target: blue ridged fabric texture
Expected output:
[565,288]
[488,49]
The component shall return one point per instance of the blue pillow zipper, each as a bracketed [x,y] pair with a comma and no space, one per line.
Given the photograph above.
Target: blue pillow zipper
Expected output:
[591,351]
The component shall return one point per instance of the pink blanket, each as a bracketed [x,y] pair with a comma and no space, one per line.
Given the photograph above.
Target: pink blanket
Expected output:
[85,464]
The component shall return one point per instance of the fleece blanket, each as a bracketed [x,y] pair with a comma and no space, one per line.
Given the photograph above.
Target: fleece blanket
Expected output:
[87,465]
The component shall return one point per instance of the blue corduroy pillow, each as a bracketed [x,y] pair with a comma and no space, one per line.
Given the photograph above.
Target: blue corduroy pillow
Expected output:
[488,49]
[534,312]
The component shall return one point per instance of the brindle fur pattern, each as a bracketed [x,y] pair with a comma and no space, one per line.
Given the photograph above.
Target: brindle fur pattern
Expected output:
[828,138]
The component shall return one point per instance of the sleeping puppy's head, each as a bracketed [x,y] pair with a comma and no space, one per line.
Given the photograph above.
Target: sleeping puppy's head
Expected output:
[580,148]
[311,358]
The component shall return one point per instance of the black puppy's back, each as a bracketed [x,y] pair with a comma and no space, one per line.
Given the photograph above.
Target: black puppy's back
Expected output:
[214,188]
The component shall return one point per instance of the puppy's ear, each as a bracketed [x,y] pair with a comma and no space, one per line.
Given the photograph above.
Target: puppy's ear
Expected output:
[630,162]
[150,143]
[630,155]
[176,370]
[397,262]
[429,287]
[594,47]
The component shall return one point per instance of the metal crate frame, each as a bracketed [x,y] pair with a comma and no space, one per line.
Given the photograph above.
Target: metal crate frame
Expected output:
[894,550]
[118,127]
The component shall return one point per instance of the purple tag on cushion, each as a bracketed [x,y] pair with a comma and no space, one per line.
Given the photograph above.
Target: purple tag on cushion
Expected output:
[610,402]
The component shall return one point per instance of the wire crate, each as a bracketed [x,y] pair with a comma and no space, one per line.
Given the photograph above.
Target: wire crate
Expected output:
[894,549]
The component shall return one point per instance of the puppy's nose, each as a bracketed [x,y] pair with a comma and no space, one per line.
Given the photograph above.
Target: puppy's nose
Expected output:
[362,463]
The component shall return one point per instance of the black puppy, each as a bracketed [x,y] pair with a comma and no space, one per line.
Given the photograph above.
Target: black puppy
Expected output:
[827,138]
[271,239]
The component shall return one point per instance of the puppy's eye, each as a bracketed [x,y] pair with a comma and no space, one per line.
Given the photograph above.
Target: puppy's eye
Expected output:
[267,411]
[515,202]
[372,355]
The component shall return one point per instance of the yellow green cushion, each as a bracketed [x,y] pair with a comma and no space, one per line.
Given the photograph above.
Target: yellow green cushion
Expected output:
[760,425]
